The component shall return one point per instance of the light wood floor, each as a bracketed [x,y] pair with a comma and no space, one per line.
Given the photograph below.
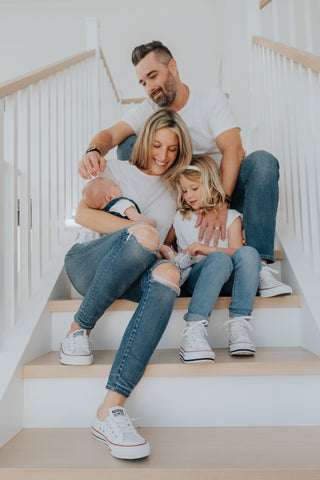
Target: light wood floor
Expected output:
[220,453]
[267,361]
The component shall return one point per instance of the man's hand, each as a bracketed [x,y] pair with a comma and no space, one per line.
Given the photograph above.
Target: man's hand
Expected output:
[212,223]
[91,165]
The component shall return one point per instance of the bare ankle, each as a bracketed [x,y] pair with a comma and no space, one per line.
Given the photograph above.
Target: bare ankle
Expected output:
[74,327]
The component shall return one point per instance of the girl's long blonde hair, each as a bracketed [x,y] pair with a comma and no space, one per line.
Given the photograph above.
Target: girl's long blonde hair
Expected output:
[163,118]
[207,173]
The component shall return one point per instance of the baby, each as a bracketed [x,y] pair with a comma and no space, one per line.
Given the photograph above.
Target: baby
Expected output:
[103,194]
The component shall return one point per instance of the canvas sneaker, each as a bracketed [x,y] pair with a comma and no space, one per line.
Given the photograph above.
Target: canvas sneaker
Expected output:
[269,286]
[184,260]
[184,274]
[194,347]
[240,342]
[75,349]
[119,434]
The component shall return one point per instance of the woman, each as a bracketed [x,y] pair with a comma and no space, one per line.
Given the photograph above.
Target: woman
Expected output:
[123,264]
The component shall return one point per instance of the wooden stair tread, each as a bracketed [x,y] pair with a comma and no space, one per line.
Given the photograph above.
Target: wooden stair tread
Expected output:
[165,363]
[222,453]
[181,303]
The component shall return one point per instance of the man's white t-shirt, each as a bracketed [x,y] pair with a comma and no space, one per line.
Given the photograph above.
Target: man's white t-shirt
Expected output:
[186,232]
[207,113]
[150,193]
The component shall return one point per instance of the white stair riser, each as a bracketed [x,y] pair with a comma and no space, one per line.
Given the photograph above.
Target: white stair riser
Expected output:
[273,327]
[223,401]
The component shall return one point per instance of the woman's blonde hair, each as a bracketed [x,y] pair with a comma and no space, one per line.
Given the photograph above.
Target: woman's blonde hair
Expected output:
[163,118]
[204,170]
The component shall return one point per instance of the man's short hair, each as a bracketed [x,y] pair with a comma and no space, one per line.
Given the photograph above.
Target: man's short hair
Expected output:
[162,53]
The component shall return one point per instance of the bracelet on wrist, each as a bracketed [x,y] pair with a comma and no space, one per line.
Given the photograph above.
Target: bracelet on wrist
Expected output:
[92,149]
[228,199]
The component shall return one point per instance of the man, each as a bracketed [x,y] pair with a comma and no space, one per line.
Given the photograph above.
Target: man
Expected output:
[250,183]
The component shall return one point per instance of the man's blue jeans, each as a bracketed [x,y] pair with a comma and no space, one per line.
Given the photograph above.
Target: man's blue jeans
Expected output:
[118,266]
[237,276]
[256,195]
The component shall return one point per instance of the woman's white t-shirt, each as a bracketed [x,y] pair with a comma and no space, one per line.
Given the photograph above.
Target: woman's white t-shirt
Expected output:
[186,232]
[150,193]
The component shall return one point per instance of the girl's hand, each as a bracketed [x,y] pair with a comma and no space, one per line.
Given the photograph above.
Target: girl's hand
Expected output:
[197,248]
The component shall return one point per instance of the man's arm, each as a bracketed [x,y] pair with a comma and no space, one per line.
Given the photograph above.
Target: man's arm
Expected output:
[230,145]
[92,163]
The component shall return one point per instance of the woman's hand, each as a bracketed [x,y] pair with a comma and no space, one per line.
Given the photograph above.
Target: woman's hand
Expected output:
[213,224]
[197,248]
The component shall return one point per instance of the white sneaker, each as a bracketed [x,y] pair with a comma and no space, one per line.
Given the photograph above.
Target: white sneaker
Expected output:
[120,435]
[240,342]
[75,350]
[270,286]
[195,347]
[184,274]
[184,260]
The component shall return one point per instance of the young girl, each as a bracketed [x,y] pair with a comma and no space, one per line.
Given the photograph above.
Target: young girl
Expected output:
[230,267]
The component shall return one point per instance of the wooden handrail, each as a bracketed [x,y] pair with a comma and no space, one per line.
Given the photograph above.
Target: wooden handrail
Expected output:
[24,81]
[123,101]
[109,75]
[307,60]
[264,3]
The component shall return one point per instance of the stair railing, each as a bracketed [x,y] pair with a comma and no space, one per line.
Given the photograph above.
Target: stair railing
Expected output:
[286,100]
[46,121]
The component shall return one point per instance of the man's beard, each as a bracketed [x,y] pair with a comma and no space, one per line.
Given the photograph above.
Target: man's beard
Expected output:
[168,95]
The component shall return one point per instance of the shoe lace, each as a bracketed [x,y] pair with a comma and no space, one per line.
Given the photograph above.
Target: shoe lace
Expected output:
[196,331]
[240,326]
[266,275]
[124,424]
[80,341]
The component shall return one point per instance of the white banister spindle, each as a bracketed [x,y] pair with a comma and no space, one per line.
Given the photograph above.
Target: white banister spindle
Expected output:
[288,104]
[35,143]
[53,169]
[10,189]
[44,186]
[69,143]
[302,149]
[312,158]
[61,191]
[24,240]
[77,101]
[2,209]
[46,122]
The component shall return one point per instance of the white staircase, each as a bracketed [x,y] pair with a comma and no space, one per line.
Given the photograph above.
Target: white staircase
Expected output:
[254,417]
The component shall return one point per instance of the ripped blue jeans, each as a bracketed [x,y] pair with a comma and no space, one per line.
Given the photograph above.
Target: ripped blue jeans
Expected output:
[118,266]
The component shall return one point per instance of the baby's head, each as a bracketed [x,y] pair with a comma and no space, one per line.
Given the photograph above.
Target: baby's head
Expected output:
[100,191]
[199,186]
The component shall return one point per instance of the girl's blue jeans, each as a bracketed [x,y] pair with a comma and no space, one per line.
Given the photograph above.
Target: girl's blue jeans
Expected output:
[237,276]
[118,266]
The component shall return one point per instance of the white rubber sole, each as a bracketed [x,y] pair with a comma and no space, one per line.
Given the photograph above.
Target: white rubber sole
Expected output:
[205,357]
[275,291]
[125,452]
[75,359]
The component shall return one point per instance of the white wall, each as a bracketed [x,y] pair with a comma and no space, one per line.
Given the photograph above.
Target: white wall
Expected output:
[303,34]
[36,33]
